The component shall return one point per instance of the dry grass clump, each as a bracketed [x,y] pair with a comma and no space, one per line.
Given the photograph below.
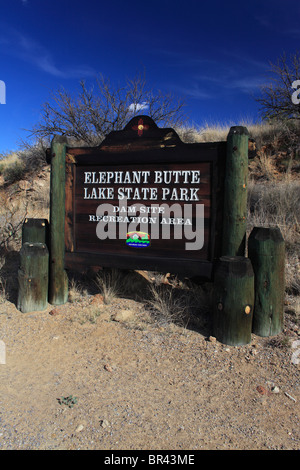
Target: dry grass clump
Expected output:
[110,284]
[207,133]
[166,305]
[76,291]
[276,139]
[113,283]
[86,310]
[276,205]
[264,167]
[3,290]
[178,302]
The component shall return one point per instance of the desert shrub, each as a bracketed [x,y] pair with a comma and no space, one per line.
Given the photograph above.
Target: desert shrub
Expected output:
[12,216]
[94,111]
[179,302]
[14,173]
[15,166]
[12,168]
[264,167]
[278,205]
[33,155]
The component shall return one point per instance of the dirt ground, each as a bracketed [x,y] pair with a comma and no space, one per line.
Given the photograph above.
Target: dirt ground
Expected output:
[81,377]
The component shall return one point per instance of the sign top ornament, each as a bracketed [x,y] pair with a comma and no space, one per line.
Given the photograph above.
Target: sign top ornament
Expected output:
[140,127]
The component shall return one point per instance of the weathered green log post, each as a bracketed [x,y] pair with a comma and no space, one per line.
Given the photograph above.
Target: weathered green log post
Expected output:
[234,277]
[35,231]
[233,300]
[266,249]
[235,195]
[33,277]
[58,281]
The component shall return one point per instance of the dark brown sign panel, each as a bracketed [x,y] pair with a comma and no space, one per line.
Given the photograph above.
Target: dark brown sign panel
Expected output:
[145,200]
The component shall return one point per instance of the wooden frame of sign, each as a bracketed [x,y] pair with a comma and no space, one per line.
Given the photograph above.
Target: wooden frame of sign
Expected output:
[178,190]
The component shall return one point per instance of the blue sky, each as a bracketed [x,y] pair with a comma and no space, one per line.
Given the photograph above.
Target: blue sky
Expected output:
[213,54]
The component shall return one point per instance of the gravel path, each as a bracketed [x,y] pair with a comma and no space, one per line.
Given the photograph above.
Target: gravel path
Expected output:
[78,381]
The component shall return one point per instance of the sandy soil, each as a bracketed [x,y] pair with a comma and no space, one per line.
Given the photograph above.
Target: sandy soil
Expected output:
[78,377]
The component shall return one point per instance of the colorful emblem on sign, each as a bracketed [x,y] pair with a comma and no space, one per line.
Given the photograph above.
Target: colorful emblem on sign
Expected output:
[138,239]
[141,127]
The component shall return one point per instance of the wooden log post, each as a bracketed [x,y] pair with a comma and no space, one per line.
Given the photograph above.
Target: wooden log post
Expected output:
[33,277]
[35,231]
[266,249]
[235,199]
[233,300]
[58,282]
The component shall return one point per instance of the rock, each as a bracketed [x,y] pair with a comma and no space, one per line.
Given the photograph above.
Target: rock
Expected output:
[212,339]
[105,316]
[2,352]
[275,389]
[24,185]
[97,300]
[104,423]
[56,311]
[262,390]
[262,400]
[295,359]
[123,315]
[79,428]
[108,368]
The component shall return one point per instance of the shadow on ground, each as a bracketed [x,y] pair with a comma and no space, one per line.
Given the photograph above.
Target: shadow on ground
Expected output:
[166,297]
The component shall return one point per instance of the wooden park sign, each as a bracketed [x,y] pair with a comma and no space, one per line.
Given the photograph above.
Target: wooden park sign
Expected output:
[143,199]
[145,182]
